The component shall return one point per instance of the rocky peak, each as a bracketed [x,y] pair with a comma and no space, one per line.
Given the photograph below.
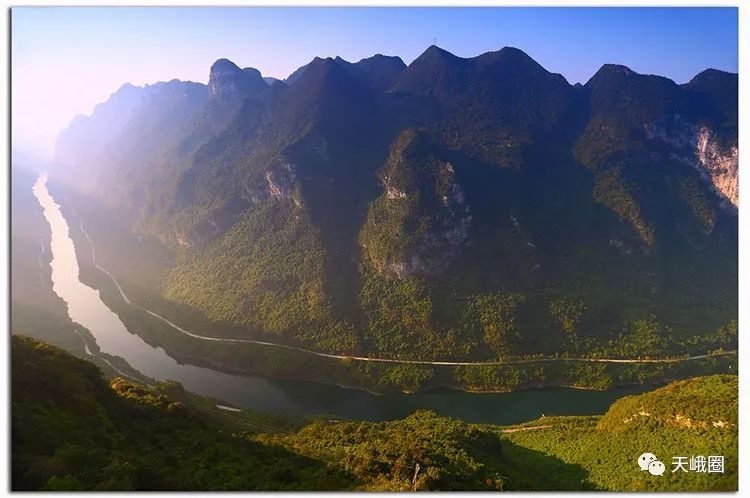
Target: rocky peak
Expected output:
[223,67]
[227,81]
[316,62]
[380,72]
[174,89]
[126,90]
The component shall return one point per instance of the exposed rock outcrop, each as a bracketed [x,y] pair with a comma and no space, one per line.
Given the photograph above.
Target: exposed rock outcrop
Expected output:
[280,180]
[722,166]
[440,244]
[421,222]
[699,147]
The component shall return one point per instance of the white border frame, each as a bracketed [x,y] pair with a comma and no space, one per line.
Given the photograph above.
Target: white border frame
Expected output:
[744,219]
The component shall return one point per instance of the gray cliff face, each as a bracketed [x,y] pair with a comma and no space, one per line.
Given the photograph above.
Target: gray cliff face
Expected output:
[278,184]
[722,166]
[280,181]
[699,147]
[443,237]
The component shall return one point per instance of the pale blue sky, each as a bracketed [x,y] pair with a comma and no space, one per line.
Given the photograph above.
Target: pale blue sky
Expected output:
[65,60]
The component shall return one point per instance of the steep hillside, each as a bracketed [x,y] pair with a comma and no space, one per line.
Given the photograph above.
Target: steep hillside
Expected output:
[463,209]
[71,431]
[697,417]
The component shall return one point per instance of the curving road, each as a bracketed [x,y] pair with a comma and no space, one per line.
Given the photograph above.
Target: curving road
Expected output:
[105,360]
[382,360]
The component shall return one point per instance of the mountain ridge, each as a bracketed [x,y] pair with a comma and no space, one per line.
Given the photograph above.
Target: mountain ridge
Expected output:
[481,206]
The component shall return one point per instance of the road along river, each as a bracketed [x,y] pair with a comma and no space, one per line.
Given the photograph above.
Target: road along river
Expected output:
[293,396]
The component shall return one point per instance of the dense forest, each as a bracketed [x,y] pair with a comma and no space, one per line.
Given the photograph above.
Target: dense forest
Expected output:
[73,430]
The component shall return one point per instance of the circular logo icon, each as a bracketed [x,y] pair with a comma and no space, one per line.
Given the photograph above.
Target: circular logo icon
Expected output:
[656,468]
[645,459]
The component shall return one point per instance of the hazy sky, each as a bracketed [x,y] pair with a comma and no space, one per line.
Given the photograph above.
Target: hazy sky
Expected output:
[66,60]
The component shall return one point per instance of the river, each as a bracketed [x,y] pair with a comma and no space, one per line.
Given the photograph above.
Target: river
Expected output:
[291,397]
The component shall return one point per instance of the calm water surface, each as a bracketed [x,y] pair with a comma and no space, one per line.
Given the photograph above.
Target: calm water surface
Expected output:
[291,397]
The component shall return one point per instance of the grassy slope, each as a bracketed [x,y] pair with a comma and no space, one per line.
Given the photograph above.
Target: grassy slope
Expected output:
[607,447]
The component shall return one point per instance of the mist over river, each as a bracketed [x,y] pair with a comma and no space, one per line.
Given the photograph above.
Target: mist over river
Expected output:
[292,397]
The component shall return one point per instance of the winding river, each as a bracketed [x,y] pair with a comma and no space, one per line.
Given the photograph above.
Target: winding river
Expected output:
[292,397]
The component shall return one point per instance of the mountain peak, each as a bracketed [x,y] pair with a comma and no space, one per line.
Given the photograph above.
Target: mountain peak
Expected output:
[435,51]
[126,87]
[711,76]
[381,57]
[381,60]
[380,72]
[506,54]
[514,51]
[509,59]
[612,71]
[227,80]
[224,66]
[438,71]
[717,91]
[617,69]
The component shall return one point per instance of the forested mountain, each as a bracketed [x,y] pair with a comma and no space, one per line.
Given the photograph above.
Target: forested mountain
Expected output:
[452,209]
